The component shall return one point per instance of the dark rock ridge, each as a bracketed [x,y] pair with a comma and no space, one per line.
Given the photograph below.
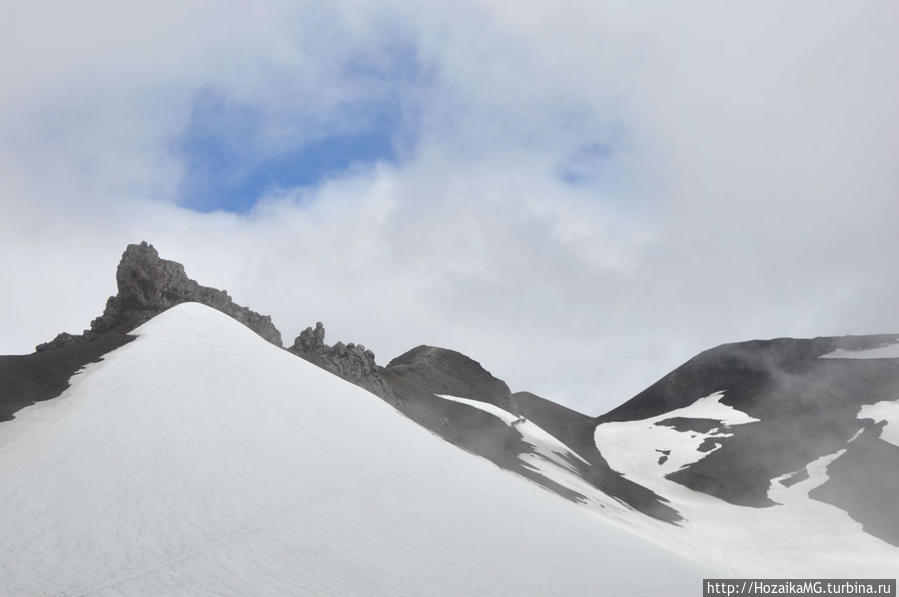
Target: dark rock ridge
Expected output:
[797,477]
[30,378]
[147,286]
[756,362]
[352,362]
[687,424]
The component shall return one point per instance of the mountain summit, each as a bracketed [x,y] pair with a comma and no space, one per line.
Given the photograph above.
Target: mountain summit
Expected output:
[147,286]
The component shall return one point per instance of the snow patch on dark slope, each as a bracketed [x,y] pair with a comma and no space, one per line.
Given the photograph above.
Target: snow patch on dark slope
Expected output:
[200,459]
[439,371]
[463,425]
[864,481]
[806,407]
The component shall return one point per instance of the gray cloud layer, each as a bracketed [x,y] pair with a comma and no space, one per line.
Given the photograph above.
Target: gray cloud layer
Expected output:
[595,193]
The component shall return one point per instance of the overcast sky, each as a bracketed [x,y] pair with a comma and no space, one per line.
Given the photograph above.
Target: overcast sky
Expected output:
[581,195]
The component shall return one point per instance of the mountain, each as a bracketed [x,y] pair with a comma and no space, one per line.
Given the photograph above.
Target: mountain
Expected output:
[800,402]
[768,458]
[201,459]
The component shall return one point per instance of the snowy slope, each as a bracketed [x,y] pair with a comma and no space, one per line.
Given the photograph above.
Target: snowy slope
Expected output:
[557,462]
[887,351]
[200,459]
[888,412]
[798,536]
[547,449]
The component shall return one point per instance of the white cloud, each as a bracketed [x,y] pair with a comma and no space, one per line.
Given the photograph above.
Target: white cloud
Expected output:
[749,189]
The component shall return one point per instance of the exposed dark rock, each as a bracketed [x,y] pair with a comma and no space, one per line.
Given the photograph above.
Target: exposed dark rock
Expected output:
[709,444]
[730,366]
[352,362]
[864,481]
[309,340]
[147,286]
[797,477]
[63,340]
[684,424]
[445,371]
[30,378]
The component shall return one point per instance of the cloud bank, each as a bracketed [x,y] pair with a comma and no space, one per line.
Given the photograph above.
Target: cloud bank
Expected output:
[580,196]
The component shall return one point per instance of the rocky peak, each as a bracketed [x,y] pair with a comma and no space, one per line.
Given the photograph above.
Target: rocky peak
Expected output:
[148,285]
[352,362]
[311,340]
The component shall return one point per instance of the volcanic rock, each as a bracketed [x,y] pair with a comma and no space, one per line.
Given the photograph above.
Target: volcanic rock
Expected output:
[147,286]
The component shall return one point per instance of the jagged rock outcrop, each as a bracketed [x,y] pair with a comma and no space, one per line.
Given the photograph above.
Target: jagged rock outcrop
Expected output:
[64,340]
[147,286]
[352,362]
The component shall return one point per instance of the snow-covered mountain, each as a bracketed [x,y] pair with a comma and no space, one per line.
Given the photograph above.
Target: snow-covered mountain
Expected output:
[782,452]
[200,459]
[171,450]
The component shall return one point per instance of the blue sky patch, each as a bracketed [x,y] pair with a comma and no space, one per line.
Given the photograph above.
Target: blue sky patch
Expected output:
[230,161]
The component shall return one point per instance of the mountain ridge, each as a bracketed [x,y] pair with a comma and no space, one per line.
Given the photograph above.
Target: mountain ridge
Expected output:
[147,286]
